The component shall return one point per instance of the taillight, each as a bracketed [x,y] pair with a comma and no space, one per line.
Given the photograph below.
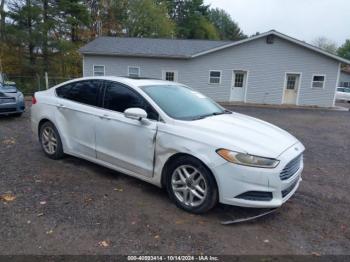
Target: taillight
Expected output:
[33,100]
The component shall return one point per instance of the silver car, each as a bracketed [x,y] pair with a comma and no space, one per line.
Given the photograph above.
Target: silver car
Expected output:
[11,100]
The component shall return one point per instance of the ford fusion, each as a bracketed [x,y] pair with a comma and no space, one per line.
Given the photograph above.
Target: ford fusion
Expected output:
[172,136]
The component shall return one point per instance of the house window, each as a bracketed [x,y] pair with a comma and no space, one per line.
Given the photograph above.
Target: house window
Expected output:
[291,81]
[239,79]
[133,71]
[318,81]
[99,70]
[169,75]
[214,77]
[344,84]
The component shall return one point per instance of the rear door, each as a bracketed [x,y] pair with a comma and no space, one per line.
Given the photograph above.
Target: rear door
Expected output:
[123,142]
[77,115]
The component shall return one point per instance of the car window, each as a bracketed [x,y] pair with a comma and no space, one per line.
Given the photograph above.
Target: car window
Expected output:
[340,89]
[85,92]
[119,98]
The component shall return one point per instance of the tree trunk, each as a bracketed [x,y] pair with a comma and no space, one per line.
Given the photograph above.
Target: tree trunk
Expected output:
[2,19]
[30,35]
[45,36]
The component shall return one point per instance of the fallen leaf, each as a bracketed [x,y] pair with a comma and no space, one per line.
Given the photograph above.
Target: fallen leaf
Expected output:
[133,223]
[42,202]
[88,199]
[179,222]
[315,254]
[103,243]
[8,197]
[40,214]
[266,241]
[49,232]
[9,141]
[156,236]
[118,189]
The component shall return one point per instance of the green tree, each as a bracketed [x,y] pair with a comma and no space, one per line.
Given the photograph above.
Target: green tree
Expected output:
[72,14]
[147,19]
[226,27]
[191,18]
[344,50]
[24,29]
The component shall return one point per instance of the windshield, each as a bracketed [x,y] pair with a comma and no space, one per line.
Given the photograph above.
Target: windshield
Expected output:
[183,103]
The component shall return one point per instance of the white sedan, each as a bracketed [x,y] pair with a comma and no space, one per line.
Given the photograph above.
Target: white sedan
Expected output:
[343,93]
[172,136]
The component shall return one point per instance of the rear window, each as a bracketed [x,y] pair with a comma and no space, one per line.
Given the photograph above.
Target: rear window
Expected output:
[85,92]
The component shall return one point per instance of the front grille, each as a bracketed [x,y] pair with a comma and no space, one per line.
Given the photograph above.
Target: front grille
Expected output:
[291,168]
[256,196]
[289,189]
[5,100]
[7,110]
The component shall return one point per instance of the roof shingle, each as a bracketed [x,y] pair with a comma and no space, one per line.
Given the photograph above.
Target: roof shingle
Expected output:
[150,47]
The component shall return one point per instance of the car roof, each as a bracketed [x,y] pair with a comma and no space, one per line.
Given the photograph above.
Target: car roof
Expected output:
[138,82]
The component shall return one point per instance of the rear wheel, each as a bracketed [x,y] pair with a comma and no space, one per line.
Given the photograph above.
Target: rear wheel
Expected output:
[50,141]
[191,185]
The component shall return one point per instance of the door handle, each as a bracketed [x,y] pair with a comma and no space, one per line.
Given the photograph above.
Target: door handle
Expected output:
[61,106]
[105,116]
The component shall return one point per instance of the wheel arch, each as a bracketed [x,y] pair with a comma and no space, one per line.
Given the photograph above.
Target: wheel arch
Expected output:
[45,120]
[40,124]
[176,156]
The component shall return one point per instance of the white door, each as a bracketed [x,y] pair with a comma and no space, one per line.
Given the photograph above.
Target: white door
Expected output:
[291,89]
[76,116]
[239,85]
[123,142]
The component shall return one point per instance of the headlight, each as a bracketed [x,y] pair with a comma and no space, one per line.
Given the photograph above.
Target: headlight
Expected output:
[246,159]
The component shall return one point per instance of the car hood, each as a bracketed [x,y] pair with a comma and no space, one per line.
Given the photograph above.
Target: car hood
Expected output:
[8,90]
[246,134]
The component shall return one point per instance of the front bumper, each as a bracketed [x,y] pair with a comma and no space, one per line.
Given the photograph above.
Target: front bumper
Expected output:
[234,180]
[12,107]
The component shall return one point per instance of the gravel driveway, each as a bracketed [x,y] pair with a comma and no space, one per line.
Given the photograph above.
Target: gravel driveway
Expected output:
[74,207]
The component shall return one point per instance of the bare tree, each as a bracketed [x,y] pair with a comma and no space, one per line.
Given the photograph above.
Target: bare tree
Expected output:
[326,44]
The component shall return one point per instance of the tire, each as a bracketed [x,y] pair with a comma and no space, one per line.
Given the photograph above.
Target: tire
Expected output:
[17,114]
[195,174]
[49,134]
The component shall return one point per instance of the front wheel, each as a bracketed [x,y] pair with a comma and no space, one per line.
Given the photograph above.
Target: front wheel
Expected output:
[191,185]
[50,141]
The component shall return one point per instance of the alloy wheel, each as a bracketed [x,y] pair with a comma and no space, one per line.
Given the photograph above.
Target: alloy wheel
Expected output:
[49,140]
[189,185]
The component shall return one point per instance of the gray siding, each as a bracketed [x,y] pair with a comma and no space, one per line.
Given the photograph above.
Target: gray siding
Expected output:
[267,65]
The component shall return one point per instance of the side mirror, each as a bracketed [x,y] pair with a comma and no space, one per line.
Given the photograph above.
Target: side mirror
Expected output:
[135,113]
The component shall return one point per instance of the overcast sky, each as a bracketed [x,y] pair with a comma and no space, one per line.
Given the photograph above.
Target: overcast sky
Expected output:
[302,19]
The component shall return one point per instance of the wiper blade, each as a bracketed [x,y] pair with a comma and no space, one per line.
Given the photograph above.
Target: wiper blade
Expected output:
[213,114]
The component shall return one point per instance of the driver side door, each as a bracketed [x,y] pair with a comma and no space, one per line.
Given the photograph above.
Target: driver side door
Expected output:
[125,143]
